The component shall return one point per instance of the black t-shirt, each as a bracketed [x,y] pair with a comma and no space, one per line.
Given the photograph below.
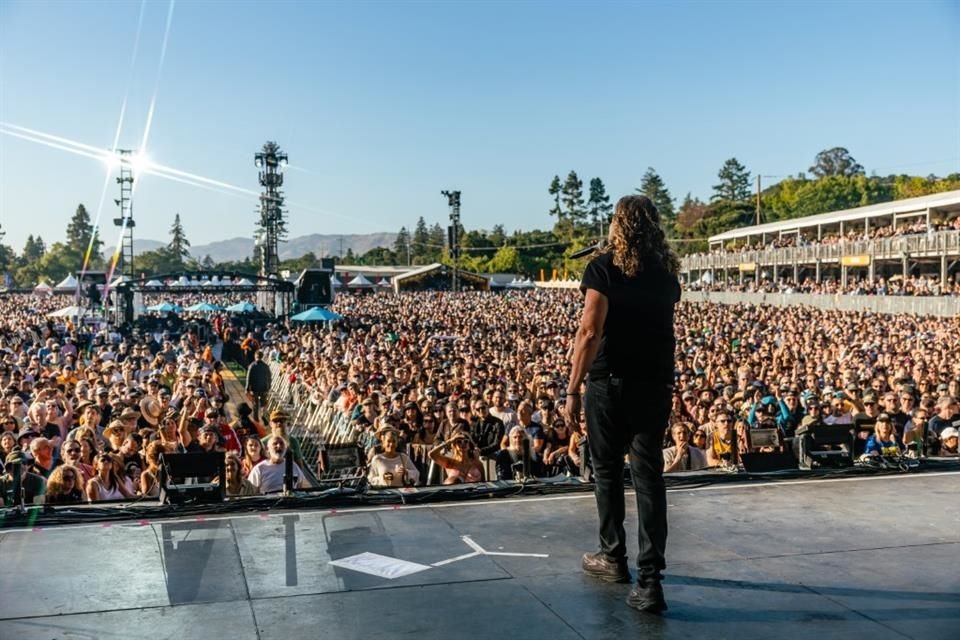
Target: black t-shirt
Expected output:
[638,340]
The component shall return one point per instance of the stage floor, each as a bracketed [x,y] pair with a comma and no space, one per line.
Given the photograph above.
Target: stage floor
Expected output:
[872,557]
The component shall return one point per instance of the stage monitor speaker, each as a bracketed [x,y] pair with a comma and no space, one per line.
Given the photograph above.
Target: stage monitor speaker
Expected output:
[313,288]
[185,478]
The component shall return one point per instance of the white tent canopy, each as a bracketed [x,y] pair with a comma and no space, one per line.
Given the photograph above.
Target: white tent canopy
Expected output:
[72,311]
[359,281]
[154,283]
[43,287]
[334,282]
[67,284]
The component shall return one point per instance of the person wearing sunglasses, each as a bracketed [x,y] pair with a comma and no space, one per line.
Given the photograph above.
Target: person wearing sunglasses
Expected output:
[64,486]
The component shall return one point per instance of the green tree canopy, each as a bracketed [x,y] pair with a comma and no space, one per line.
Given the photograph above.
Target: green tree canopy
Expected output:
[653,186]
[835,162]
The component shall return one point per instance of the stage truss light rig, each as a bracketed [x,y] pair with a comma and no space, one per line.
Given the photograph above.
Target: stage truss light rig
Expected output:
[453,234]
[271,228]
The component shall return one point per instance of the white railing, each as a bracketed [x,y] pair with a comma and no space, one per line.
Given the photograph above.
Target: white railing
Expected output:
[944,306]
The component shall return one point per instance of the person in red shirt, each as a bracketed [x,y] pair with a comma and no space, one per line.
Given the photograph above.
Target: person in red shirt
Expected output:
[228,437]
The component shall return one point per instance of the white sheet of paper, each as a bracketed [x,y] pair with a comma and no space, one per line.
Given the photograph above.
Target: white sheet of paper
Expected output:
[375,564]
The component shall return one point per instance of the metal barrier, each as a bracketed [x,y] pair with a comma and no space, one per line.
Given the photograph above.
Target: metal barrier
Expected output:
[315,423]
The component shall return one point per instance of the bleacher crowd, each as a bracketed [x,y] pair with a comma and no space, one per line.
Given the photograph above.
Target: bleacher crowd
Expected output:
[445,388]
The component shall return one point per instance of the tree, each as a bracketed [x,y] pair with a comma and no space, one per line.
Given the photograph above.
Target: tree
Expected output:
[734,184]
[421,240]
[401,245]
[505,260]
[498,237]
[572,193]
[178,241]
[207,264]
[836,162]
[79,232]
[652,186]
[438,236]
[33,249]
[554,190]
[598,205]
[690,216]
[7,258]
[350,258]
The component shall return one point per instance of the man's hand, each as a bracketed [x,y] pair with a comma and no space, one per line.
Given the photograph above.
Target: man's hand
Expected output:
[573,408]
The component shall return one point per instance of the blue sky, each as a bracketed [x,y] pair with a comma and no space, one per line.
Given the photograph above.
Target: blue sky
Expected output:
[382,105]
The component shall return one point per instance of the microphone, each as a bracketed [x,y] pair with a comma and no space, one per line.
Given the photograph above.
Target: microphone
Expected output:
[586,251]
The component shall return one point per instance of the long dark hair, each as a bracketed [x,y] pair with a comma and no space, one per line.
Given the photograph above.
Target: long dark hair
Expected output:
[636,235]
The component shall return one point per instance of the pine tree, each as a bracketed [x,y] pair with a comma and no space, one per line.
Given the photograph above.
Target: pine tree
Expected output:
[437,240]
[178,241]
[79,232]
[573,198]
[401,245]
[598,205]
[421,240]
[652,186]
[498,237]
[554,190]
[33,249]
[734,184]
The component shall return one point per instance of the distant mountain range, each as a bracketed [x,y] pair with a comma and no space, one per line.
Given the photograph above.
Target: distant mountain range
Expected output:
[239,248]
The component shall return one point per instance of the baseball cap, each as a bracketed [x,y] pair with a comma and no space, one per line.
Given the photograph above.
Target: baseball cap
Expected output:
[950,432]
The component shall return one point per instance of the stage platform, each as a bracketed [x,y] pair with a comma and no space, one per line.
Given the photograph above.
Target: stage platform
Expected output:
[867,557]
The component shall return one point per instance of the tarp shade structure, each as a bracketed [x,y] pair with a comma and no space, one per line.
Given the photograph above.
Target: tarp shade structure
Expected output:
[242,307]
[166,307]
[154,283]
[316,314]
[67,284]
[359,281]
[42,288]
[73,311]
[204,307]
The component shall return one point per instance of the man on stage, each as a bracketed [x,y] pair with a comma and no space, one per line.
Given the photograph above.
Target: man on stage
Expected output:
[624,348]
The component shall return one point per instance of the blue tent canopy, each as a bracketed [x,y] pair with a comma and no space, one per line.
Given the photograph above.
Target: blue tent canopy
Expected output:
[166,307]
[204,307]
[316,314]
[242,307]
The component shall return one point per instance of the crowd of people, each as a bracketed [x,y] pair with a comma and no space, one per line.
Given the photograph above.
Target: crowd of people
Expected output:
[854,233]
[918,286]
[467,386]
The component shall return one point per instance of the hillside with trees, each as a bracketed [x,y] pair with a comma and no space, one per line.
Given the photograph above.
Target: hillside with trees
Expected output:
[579,209]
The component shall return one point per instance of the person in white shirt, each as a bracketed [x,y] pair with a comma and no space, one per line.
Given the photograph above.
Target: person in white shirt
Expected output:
[267,475]
[391,468]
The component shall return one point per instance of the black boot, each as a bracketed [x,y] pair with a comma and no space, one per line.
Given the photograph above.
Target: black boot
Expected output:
[647,595]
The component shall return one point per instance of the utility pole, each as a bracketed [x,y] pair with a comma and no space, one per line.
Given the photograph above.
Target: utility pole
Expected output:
[758,198]
[453,234]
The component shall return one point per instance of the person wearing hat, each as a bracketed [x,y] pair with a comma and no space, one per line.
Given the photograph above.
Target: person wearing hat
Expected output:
[948,442]
[391,467]
[883,442]
[32,485]
[150,411]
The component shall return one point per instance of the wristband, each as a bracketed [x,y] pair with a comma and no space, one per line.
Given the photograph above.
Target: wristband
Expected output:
[575,393]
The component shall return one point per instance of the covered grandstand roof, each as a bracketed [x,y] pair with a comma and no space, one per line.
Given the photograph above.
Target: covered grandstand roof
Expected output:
[948,200]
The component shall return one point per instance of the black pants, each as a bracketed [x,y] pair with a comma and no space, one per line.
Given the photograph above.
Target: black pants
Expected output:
[629,416]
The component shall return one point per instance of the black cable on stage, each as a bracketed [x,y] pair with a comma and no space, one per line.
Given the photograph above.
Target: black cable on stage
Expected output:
[341,497]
